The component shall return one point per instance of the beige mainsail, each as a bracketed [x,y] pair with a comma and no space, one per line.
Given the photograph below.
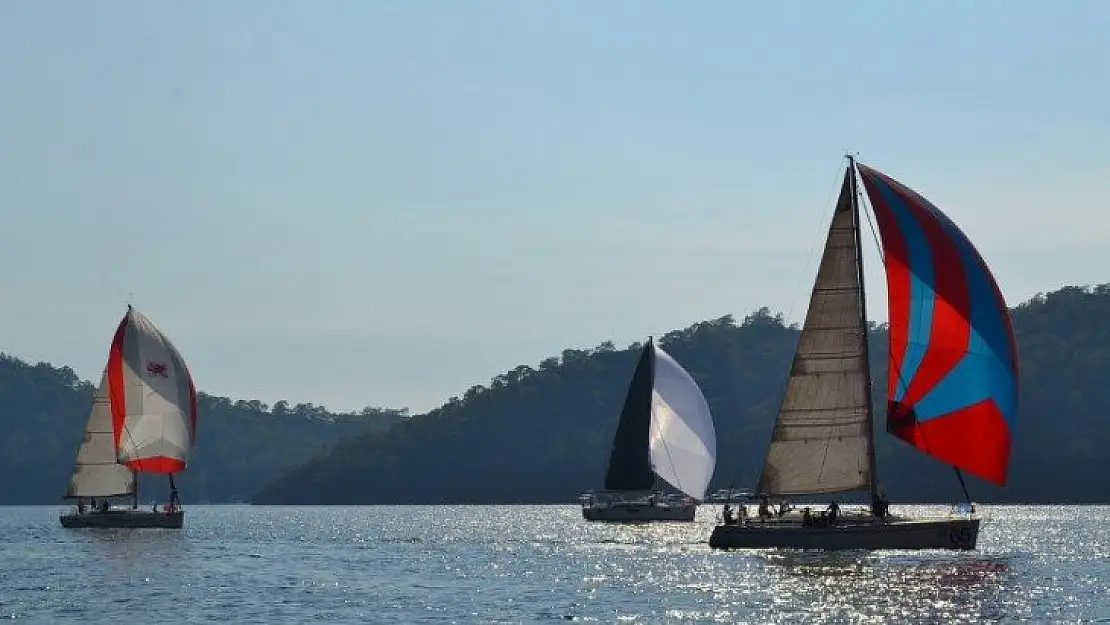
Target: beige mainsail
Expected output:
[96,472]
[821,441]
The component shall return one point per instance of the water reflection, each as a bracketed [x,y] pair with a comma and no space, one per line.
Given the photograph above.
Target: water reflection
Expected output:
[860,585]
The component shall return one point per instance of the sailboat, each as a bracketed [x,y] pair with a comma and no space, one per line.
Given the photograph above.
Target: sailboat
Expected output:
[142,420]
[952,382]
[665,434]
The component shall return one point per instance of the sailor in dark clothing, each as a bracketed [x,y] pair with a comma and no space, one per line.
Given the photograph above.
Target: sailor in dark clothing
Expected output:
[764,509]
[727,514]
[879,505]
[833,512]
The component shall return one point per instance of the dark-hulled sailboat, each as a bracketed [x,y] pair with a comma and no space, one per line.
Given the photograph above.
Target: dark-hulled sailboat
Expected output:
[952,383]
[665,437]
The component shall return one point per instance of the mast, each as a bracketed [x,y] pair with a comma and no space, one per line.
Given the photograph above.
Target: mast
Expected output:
[872,471]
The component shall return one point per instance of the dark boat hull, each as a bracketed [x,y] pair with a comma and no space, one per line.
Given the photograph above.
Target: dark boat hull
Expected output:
[940,533]
[639,512]
[124,519]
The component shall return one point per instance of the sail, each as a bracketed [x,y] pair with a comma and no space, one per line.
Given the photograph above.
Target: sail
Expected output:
[953,379]
[154,403]
[96,472]
[629,462]
[683,443]
[822,438]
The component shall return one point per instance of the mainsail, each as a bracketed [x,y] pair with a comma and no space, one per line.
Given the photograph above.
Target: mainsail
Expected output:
[821,442]
[96,472]
[153,401]
[683,442]
[953,373]
[629,461]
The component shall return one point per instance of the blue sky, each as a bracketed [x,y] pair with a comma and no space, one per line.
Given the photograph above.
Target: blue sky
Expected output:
[354,203]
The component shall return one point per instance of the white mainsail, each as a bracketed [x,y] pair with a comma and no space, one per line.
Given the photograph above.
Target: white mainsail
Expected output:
[96,473]
[683,443]
[821,439]
[155,406]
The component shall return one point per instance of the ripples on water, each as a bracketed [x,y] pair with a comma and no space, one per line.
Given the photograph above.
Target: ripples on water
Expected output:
[533,563]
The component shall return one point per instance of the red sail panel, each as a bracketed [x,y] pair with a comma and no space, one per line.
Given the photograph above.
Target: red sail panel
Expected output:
[154,403]
[953,374]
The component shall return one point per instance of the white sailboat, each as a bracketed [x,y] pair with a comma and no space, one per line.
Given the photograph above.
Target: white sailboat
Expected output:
[952,385]
[143,419]
[665,433]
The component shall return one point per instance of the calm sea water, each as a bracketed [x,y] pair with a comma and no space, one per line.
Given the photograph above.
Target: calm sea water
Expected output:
[533,563]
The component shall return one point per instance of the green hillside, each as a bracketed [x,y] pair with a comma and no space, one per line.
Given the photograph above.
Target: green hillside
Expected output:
[542,434]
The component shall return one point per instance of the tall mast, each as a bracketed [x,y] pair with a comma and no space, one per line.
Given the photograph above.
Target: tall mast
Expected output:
[872,470]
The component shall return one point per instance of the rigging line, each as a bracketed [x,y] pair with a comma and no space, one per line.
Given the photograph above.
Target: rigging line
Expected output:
[654,426]
[666,447]
[823,227]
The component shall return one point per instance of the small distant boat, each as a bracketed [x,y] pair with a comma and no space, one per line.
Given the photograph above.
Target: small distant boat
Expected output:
[143,419]
[665,434]
[952,382]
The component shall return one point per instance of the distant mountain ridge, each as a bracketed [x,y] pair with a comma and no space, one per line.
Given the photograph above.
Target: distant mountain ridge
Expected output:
[240,445]
[543,434]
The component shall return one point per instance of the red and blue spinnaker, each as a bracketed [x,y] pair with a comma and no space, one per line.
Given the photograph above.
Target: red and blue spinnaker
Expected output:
[953,372]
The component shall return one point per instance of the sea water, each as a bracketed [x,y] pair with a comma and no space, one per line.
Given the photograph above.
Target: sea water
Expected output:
[466,564]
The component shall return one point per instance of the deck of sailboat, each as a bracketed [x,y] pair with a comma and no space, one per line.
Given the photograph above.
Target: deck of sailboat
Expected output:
[635,507]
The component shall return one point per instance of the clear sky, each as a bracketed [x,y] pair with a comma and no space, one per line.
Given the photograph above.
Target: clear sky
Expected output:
[371,202]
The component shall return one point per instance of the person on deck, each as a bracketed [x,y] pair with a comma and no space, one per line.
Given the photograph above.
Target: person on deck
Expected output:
[80,506]
[727,515]
[879,505]
[807,518]
[834,512]
[764,509]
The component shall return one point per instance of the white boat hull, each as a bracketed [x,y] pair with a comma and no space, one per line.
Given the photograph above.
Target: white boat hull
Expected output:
[639,512]
[124,519]
[939,533]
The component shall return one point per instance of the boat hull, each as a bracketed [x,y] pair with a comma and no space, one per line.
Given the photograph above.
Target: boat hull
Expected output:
[639,512]
[941,533]
[124,519]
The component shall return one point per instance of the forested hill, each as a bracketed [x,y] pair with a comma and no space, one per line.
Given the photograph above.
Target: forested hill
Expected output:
[240,446]
[543,434]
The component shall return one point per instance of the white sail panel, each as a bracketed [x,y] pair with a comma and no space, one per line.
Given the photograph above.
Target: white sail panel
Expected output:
[154,408]
[683,442]
[96,472]
[821,439]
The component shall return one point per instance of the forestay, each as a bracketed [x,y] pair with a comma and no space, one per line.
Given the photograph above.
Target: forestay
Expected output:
[154,404]
[821,438]
[96,473]
[683,443]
